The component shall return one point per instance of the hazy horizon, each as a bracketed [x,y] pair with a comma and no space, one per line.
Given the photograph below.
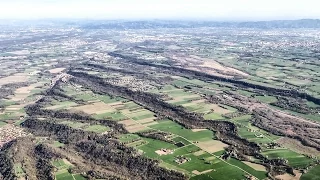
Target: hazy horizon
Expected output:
[227,10]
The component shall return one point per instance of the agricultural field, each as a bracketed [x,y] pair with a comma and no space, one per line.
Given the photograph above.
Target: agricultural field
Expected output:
[174,128]
[128,100]
[312,174]
[294,159]
[62,173]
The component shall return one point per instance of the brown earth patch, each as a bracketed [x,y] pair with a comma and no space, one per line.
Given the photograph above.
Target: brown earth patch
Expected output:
[212,146]
[296,145]
[23,92]
[27,89]
[118,106]
[128,122]
[135,128]
[216,65]
[287,176]
[16,78]
[206,65]
[94,108]
[146,120]
[197,130]
[257,167]
[196,172]
[66,162]
[18,97]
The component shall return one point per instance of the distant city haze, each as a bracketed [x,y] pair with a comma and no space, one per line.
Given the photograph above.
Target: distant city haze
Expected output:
[224,10]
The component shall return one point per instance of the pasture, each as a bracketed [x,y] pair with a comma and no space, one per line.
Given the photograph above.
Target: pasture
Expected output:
[174,128]
[97,128]
[257,173]
[294,159]
[18,170]
[266,99]
[62,173]
[312,174]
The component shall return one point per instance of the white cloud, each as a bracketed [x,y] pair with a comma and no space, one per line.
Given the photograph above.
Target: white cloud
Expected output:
[122,9]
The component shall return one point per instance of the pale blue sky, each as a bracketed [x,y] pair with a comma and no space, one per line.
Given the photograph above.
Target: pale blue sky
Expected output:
[161,9]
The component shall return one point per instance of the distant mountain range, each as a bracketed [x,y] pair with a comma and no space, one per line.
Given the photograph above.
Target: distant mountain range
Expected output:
[152,24]
[101,24]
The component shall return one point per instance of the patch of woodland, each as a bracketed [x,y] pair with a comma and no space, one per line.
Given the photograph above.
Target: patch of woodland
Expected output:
[271,120]
[153,134]
[57,93]
[207,77]
[296,105]
[6,163]
[8,89]
[35,110]
[307,133]
[225,131]
[102,149]
[34,159]
[44,155]
[139,166]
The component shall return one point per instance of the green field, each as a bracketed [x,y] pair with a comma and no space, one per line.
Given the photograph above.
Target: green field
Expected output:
[125,138]
[72,124]
[221,171]
[245,93]
[179,139]
[153,145]
[178,93]
[97,128]
[78,177]
[64,175]
[58,144]
[213,116]
[61,104]
[257,136]
[172,127]
[2,123]
[86,97]
[18,169]
[312,174]
[107,99]
[60,164]
[294,159]
[10,115]
[145,116]
[266,99]
[244,118]
[258,174]
[116,116]
[131,105]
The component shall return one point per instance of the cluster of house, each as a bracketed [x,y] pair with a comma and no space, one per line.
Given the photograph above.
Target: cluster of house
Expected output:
[181,159]
[10,132]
